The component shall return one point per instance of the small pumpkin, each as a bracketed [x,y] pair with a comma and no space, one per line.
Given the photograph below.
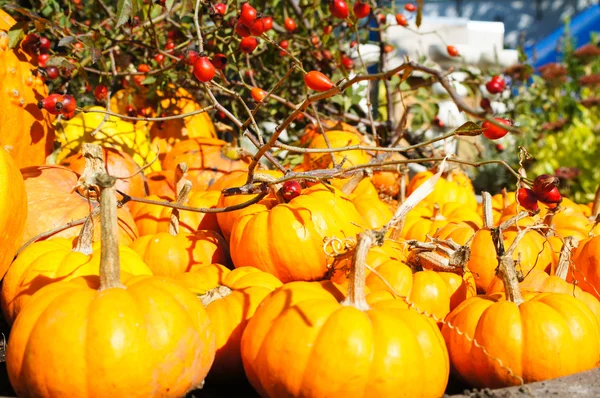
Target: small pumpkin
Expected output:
[230,305]
[520,351]
[27,131]
[586,263]
[337,139]
[455,187]
[426,220]
[13,208]
[154,335]
[384,351]
[374,212]
[286,239]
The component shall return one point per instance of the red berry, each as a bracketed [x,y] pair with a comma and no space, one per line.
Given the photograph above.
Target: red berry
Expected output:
[545,187]
[268,23]
[44,44]
[248,14]
[382,18]
[289,24]
[220,8]
[500,147]
[327,29]
[242,29]
[145,68]
[495,85]
[42,59]
[318,81]
[291,190]
[257,27]
[284,44]
[347,62]
[219,61]
[100,92]
[130,110]
[361,10]
[49,103]
[248,44]
[401,20]
[258,94]
[159,58]
[221,115]
[339,9]
[31,43]
[204,70]
[493,132]
[51,72]
[66,105]
[452,51]
[437,122]
[486,104]
[190,57]
[528,200]
[315,40]
[387,48]
[410,7]
[170,45]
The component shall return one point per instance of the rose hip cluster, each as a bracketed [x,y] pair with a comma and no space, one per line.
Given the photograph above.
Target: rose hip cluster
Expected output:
[544,189]
[59,104]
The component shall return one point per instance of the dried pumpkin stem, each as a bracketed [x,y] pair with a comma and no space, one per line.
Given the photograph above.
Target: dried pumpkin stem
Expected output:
[356,289]
[217,293]
[351,185]
[110,271]
[183,187]
[453,258]
[86,235]
[488,217]
[506,265]
[94,165]
[564,260]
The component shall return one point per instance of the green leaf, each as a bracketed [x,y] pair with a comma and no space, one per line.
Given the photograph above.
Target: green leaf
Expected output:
[149,80]
[469,129]
[16,34]
[124,12]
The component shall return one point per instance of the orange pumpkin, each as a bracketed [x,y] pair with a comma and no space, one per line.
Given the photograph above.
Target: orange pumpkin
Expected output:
[230,305]
[154,335]
[203,277]
[286,239]
[341,346]
[13,209]
[374,212]
[27,131]
[425,220]
[337,139]
[52,203]
[207,159]
[160,183]
[54,260]
[587,271]
[455,187]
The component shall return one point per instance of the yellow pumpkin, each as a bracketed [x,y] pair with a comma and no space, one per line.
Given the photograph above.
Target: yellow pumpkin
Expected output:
[455,187]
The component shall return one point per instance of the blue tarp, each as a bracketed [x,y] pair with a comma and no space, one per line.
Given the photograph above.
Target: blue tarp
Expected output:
[580,27]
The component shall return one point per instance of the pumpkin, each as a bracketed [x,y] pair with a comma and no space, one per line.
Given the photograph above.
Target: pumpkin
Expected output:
[160,183]
[234,179]
[207,159]
[500,202]
[176,251]
[425,220]
[92,126]
[13,208]
[118,164]
[456,187]
[152,218]
[341,347]
[587,271]
[337,139]
[286,239]
[154,336]
[27,131]
[532,251]
[460,232]
[312,130]
[203,277]
[230,305]
[389,180]
[53,203]
[374,212]
[53,260]
[540,338]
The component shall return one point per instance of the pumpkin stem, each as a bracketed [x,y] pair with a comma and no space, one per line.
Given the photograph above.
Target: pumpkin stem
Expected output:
[506,265]
[356,296]
[596,204]
[439,255]
[94,165]
[549,218]
[488,213]
[505,201]
[564,260]
[109,253]
[215,294]
[86,235]
[183,187]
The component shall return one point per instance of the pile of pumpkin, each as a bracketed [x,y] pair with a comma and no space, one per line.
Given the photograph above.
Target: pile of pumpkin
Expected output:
[302,294]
